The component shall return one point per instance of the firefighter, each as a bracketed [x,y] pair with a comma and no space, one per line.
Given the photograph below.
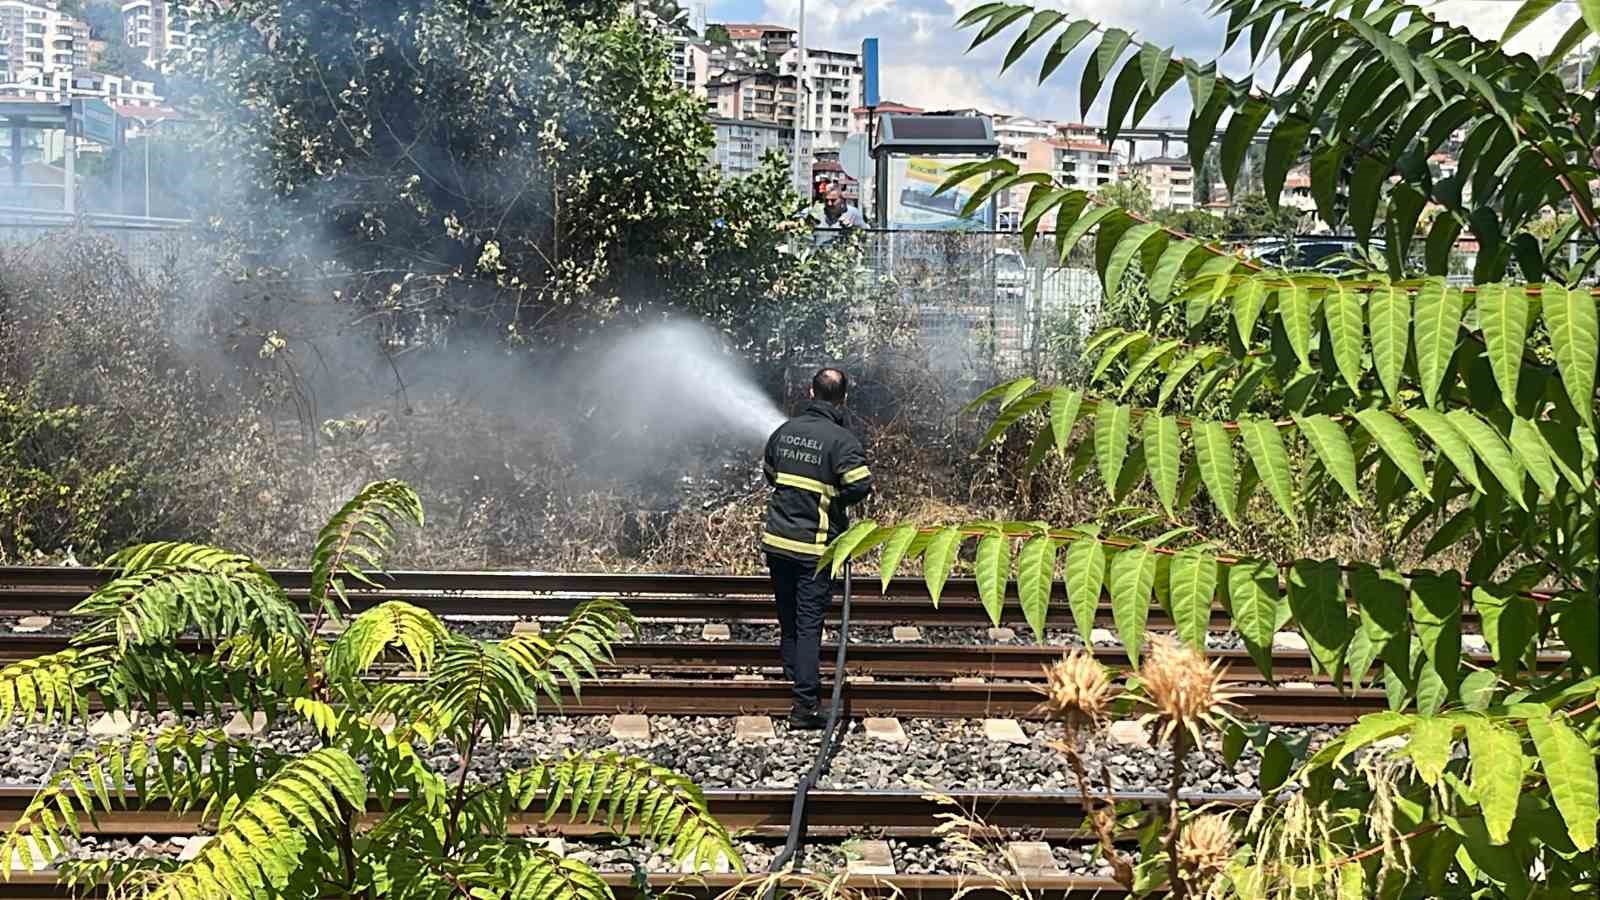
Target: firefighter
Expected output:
[816,468]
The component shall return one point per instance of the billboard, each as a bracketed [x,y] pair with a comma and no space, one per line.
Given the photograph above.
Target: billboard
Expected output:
[97,121]
[913,204]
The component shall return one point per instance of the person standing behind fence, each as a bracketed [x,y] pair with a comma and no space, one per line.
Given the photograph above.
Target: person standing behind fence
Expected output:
[837,216]
[816,468]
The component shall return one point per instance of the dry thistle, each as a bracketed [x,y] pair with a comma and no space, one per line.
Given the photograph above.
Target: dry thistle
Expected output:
[1185,690]
[1204,849]
[1076,690]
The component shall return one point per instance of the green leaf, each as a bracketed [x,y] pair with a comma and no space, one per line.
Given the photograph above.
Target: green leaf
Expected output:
[1326,165]
[1194,584]
[1531,451]
[1146,361]
[1153,62]
[1436,619]
[1133,577]
[1491,449]
[1508,623]
[1247,304]
[1332,446]
[1496,775]
[1396,443]
[1503,316]
[1365,185]
[1013,414]
[1036,572]
[1342,311]
[992,568]
[978,13]
[1239,135]
[1253,592]
[1432,738]
[1064,405]
[1444,435]
[1389,309]
[1065,242]
[1015,391]
[1316,597]
[1043,21]
[1168,268]
[939,559]
[1571,318]
[1111,425]
[1162,452]
[997,24]
[1214,455]
[1128,246]
[1123,93]
[1591,14]
[1569,769]
[894,550]
[1084,573]
[1525,16]
[1265,446]
[1063,47]
[1099,66]
[1294,308]
[1283,151]
[1438,322]
[1368,730]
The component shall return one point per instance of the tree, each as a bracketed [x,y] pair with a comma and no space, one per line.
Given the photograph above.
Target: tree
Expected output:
[717,35]
[520,165]
[289,824]
[1131,193]
[1465,415]
[1255,216]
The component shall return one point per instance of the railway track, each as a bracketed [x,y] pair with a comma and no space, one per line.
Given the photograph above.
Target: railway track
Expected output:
[26,589]
[46,886]
[877,815]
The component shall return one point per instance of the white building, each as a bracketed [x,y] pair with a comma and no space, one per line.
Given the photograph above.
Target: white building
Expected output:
[1171,181]
[833,88]
[1015,133]
[162,33]
[741,143]
[38,43]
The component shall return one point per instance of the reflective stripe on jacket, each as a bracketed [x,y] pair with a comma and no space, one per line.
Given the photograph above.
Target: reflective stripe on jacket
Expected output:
[816,468]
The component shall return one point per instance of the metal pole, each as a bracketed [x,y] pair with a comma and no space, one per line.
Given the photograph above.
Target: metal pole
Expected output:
[802,177]
[70,152]
[147,131]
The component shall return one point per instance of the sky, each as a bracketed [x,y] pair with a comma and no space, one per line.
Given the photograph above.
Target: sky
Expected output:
[923,60]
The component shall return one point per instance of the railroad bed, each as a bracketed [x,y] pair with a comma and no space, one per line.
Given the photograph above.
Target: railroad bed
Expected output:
[940,702]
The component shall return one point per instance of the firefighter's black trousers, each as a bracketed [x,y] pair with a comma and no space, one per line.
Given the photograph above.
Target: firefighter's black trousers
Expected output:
[803,596]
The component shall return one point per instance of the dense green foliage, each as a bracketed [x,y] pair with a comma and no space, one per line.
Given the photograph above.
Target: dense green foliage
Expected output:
[291,824]
[1466,414]
[523,165]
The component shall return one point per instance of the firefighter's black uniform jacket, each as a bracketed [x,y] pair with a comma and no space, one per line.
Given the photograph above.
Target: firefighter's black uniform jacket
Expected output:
[817,468]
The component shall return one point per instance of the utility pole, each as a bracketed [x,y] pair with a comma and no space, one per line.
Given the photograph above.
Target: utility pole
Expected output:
[801,106]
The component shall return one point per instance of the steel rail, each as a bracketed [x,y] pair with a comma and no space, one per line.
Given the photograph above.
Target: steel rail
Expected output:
[56,589]
[760,812]
[45,885]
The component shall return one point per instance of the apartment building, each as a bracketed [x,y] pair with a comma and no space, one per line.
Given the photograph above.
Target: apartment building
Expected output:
[833,79]
[775,40]
[1171,181]
[741,143]
[756,96]
[39,43]
[1086,164]
[161,32]
[1015,133]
